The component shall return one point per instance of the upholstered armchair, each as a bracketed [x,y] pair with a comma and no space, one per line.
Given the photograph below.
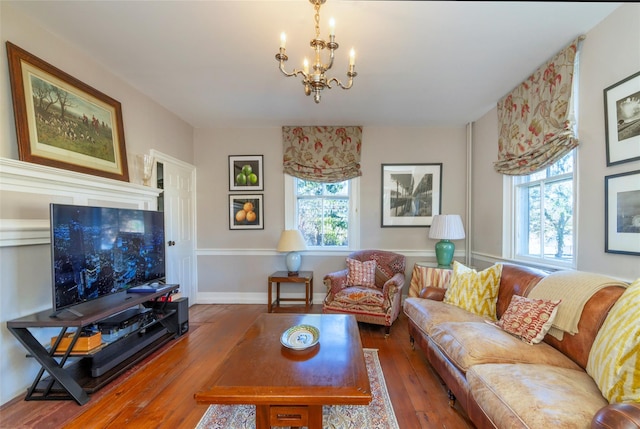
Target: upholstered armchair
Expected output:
[371,295]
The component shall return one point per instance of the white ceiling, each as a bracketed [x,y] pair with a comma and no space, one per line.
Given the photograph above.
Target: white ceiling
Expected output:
[419,63]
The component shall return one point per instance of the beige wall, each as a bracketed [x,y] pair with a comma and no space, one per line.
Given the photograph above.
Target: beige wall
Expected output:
[610,53]
[225,255]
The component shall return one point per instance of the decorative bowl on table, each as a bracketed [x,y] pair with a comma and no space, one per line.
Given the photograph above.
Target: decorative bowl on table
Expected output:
[300,337]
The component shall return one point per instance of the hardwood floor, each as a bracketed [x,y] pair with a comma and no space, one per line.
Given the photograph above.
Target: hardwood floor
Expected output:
[158,392]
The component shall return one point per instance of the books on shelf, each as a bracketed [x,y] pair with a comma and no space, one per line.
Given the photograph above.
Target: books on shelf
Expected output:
[85,343]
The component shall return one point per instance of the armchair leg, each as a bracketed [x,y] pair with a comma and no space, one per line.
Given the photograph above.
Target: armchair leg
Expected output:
[412,341]
[387,331]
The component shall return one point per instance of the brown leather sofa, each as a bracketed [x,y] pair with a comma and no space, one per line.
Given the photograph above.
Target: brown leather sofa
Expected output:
[433,326]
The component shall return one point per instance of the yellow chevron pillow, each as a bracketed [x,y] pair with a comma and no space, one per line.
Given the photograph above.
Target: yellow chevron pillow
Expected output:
[614,359]
[476,292]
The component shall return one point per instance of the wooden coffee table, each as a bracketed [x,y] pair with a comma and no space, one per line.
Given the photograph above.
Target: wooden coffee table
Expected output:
[289,387]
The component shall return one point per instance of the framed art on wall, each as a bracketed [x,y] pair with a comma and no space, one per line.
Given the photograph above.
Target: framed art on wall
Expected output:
[622,213]
[411,194]
[62,122]
[246,211]
[622,120]
[245,173]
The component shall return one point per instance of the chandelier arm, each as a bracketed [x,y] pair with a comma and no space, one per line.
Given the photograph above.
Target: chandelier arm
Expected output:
[294,73]
[340,84]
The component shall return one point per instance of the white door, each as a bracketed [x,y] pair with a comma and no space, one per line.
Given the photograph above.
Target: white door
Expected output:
[178,203]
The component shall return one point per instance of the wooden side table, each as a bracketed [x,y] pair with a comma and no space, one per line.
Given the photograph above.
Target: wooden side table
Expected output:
[278,277]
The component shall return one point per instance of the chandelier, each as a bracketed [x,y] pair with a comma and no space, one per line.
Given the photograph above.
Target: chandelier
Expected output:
[315,80]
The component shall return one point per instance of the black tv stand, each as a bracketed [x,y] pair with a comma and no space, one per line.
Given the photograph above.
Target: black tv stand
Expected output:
[70,310]
[94,369]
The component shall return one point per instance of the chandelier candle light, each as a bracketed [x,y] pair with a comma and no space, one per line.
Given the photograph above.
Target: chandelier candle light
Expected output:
[315,81]
[446,227]
[291,241]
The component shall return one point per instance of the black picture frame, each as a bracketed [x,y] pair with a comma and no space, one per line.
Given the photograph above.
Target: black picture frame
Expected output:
[411,194]
[237,165]
[622,213]
[622,120]
[240,207]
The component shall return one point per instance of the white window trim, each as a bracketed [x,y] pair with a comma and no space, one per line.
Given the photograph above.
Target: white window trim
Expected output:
[354,213]
[509,225]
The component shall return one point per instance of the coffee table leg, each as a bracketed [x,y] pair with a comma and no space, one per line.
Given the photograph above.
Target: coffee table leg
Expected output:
[315,416]
[262,417]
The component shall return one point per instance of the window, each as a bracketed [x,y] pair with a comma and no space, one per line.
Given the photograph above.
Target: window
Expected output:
[543,226]
[325,213]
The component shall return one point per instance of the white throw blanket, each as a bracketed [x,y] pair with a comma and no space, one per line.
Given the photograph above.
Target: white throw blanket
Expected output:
[574,288]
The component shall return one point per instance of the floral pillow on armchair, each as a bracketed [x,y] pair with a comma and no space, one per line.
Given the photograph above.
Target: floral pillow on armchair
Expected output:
[361,273]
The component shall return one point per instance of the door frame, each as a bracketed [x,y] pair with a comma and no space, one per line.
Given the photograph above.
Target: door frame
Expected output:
[168,159]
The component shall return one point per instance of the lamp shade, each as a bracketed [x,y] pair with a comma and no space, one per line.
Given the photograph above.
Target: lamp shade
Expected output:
[447,227]
[291,241]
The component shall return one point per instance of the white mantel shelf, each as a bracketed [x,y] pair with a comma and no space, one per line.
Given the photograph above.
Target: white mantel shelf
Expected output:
[79,188]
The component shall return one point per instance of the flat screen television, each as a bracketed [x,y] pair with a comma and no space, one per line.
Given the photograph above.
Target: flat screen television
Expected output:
[99,251]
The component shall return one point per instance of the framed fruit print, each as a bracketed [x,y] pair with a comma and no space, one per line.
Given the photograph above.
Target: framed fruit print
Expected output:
[246,211]
[246,173]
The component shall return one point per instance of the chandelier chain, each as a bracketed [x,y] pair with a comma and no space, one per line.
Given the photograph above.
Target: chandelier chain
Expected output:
[317,18]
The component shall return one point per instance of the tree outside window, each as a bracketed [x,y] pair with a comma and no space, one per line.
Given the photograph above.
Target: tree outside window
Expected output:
[322,212]
[544,213]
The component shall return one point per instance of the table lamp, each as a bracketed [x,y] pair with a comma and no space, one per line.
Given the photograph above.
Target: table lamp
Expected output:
[446,227]
[292,241]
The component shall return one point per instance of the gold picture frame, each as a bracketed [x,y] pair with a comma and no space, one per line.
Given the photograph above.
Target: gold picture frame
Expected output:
[62,122]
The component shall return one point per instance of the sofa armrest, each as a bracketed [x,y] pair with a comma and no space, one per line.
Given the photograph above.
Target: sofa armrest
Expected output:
[393,285]
[625,415]
[433,293]
[335,281]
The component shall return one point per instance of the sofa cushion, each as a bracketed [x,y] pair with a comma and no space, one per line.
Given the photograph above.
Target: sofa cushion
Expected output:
[535,396]
[427,313]
[472,343]
[474,291]
[528,319]
[359,297]
[614,360]
[361,273]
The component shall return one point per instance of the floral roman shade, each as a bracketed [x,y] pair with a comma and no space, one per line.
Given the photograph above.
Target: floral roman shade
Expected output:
[536,121]
[322,154]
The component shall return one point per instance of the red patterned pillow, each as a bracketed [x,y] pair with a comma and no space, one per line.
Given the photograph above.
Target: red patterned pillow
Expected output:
[361,273]
[527,318]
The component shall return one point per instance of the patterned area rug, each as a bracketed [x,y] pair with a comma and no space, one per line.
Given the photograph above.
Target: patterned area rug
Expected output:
[377,415]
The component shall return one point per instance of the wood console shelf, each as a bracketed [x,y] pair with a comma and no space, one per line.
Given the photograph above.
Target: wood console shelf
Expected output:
[75,380]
